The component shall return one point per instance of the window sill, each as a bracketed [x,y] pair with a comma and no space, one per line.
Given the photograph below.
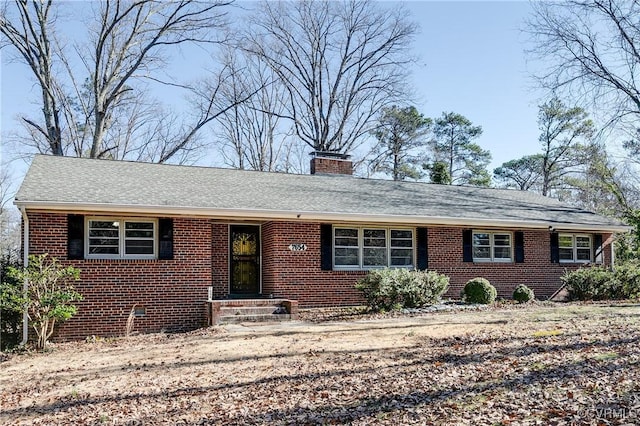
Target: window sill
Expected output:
[119,259]
[372,268]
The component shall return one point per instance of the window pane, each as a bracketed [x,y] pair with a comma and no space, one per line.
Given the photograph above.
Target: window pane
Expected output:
[349,242]
[565,241]
[480,239]
[103,233]
[341,232]
[566,254]
[401,243]
[104,237]
[139,225]
[346,257]
[139,234]
[401,257]
[103,242]
[374,257]
[401,238]
[138,230]
[502,239]
[584,242]
[139,246]
[502,252]
[346,237]
[103,224]
[103,250]
[584,254]
[403,234]
[375,233]
[375,238]
[139,238]
[481,253]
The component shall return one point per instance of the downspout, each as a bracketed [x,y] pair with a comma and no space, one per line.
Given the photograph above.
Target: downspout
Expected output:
[25,284]
[613,254]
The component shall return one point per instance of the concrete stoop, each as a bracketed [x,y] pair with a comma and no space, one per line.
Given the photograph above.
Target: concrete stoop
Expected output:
[228,311]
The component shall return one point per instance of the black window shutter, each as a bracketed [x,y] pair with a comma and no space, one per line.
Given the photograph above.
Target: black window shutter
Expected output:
[555,248]
[75,236]
[165,238]
[326,246]
[597,247]
[467,245]
[422,241]
[519,245]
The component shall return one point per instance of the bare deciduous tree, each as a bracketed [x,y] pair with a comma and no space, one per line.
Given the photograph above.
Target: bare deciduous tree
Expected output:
[592,52]
[9,218]
[129,44]
[102,110]
[340,63]
[251,134]
[30,33]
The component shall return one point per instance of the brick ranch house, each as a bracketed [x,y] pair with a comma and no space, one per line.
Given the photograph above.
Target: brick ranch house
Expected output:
[167,237]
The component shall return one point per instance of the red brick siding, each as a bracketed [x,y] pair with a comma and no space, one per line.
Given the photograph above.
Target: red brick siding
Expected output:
[334,166]
[220,260]
[297,275]
[173,291]
[537,271]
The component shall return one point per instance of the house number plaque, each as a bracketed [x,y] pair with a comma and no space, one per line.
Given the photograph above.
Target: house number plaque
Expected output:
[297,247]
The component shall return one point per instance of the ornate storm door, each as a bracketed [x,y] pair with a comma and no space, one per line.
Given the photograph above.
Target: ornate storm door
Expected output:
[245,260]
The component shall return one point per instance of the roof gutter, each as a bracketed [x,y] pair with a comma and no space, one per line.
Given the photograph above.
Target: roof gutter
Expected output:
[25,284]
[307,216]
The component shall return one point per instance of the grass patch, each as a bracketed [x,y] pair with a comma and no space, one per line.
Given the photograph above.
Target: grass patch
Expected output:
[606,356]
[547,333]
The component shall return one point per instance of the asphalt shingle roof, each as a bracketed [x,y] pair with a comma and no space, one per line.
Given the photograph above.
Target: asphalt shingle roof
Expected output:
[103,183]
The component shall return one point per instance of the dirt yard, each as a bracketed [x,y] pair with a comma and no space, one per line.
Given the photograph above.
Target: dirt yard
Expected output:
[544,364]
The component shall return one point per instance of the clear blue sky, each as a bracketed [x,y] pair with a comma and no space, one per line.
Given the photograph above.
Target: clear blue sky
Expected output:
[472,62]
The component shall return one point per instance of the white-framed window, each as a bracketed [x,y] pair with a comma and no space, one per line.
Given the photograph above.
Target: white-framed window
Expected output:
[401,247]
[372,247]
[121,238]
[346,247]
[491,246]
[575,248]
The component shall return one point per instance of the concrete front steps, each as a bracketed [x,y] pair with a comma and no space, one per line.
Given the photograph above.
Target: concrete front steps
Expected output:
[229,311]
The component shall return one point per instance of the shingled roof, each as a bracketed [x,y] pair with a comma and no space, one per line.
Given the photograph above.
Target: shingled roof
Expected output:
[103,186]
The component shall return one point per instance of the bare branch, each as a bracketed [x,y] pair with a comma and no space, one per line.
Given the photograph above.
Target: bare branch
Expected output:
[339,62]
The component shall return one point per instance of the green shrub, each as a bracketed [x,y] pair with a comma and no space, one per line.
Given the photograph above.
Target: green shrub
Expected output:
[591,283]
[49,298]
[389,289]
[479,290]
[602,283]
[627,277]
[10,320]
[523,294]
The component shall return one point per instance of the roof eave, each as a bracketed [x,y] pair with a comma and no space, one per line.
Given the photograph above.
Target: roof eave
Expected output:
[307,216]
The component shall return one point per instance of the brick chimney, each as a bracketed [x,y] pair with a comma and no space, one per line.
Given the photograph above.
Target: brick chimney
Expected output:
[330,163]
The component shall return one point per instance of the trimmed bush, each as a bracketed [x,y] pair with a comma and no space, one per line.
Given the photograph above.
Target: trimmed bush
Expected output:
[523,294]
[479,290]
[627,277]
[390,289]
[591,283]
[601,283]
